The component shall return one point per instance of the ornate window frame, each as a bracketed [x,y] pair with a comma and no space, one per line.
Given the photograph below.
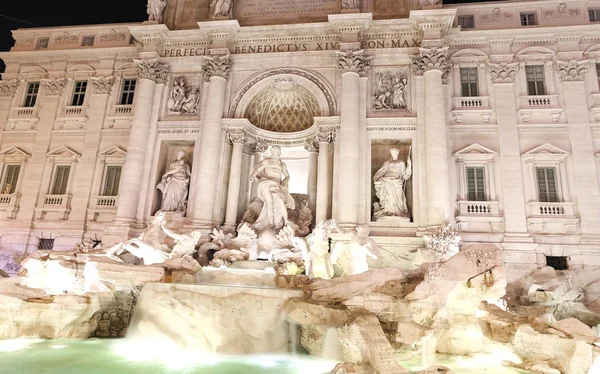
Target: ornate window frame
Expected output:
[465,107]
[548,217]
[9,203]
[477,215]
[59,205]
[101,207]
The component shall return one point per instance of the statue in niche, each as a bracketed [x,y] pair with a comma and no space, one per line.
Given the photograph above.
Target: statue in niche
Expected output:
[390,181]
[350,4]
[390,91]
[183,99]
[427,3]
[155,10]
[269,209]
[222,7]
[174,185]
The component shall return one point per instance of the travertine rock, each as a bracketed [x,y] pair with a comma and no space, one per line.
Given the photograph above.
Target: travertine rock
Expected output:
[3,274]
[576,329]
[302,312]
[437,370]
[461,338]
[568,356]
[223,319]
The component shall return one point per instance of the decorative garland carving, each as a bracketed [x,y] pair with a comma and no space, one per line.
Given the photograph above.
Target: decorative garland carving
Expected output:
[503,72]
[350,61]
[152,69]
[216,66]
[235,137]
[431,59]
[8,88]
[66,38]
[53,86]
[497,16]
[102,85]
[572,70]
[113,35]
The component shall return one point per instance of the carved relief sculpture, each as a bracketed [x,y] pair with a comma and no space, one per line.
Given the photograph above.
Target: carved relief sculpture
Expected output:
[427,3]
[102,85]
[113,35]
[8,88]
[431,59]
[350,61]
[174,185]
[155,10]
[269,209]
[352,256]
[183,98]
[572,70]
[561,12]
[503,73]
[350,4]
[496,16]
[53,86]
[152,69]
[390,91]
[222,8]
[390,181]
[66,38]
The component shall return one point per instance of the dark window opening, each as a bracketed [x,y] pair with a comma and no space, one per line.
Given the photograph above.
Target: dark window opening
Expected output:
[557,262]
[47,244]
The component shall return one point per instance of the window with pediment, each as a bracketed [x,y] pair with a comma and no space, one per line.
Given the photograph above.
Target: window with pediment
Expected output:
[12,166]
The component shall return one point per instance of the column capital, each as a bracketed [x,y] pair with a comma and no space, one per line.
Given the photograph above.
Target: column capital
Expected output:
[152,70]
[572,71]
[503,72]
[102,85]
[324,136]
[260,147]
[8,88]
[431,59]
[356,62]
[216,66]
[53,86]
[235,137]
[311,145]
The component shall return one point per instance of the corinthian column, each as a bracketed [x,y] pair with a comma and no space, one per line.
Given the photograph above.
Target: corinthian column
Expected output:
[586,192]
[235,171]
[432,64]
[311,185]
[216,71]
[352,65]
[150,73]
[323,185]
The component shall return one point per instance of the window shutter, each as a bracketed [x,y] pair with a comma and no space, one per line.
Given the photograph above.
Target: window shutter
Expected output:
[61,178]
[10,180]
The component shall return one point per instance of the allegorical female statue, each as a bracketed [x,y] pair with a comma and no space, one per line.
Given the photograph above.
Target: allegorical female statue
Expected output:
[389,181]
[155,10]
[174,185]
[269,209]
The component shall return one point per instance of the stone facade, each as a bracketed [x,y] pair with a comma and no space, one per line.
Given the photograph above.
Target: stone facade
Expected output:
[500,120]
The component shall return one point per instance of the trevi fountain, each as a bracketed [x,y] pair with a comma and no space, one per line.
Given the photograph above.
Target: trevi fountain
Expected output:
[390,259]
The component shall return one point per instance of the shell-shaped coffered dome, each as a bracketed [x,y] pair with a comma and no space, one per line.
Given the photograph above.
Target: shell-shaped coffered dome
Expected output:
[283,106]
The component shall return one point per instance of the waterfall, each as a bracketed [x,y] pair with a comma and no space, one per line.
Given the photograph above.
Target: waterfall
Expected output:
[331,345]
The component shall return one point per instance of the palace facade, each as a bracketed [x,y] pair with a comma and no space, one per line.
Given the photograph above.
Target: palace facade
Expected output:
[496,104]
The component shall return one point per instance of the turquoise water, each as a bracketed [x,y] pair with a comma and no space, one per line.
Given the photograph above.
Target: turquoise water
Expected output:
[120,356]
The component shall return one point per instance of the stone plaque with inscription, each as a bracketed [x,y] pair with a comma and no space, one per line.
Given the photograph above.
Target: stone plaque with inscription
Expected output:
[278,11]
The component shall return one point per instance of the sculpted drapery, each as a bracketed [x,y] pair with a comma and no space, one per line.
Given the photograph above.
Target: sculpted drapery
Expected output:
[174,185]
[389,187]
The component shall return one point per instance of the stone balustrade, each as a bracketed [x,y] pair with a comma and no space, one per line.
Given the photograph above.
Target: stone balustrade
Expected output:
[120,111]
[542,209]
[478,208]
[475,102]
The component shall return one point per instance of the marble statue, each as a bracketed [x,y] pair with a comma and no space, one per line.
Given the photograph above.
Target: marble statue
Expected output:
[190,102]
[390,181]
[174,185]
[185,244]
[426,3]
[314,250]
[350,4]
[177,95]
[227,249]
[222,7]
[269,209]
[390,91]
[352,257]
[155,10]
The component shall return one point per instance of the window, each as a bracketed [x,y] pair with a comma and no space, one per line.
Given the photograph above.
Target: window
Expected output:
[594,15]
[468,81]
[528,19]
[87,41]
[61,178]
[466,22]
[546,179]
[111,181]
[45,244]
[127,92]
[42,43]
[476,184]
[79,93]
[11,176]
[557,262]
[31,94]
[535,80]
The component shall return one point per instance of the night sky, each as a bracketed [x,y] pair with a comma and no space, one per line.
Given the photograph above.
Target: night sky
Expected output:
[15,14]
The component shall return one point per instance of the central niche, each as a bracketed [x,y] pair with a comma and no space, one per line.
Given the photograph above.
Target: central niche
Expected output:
[283,106]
